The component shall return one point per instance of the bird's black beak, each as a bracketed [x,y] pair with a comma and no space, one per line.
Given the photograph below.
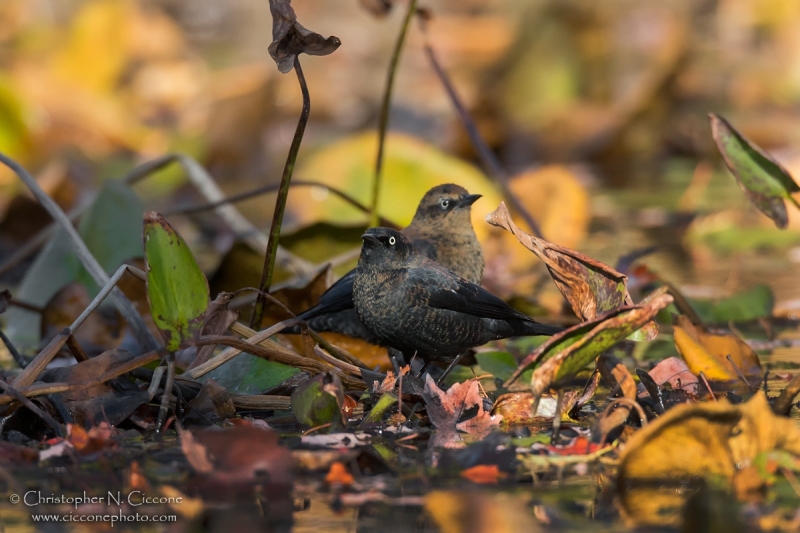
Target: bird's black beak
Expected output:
[468,200]
[371,239]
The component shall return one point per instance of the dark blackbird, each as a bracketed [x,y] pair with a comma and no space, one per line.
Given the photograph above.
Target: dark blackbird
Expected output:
[417,306]
[441,230]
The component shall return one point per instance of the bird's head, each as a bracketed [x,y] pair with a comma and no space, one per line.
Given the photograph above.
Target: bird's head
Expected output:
[384,248]
[445,206]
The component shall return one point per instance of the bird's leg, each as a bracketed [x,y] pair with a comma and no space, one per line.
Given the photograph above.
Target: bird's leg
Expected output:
[449,368]
[557,416]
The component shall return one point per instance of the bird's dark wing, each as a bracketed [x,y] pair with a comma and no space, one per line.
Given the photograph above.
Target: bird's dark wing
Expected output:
[465,297]
[425,247]
[337,298]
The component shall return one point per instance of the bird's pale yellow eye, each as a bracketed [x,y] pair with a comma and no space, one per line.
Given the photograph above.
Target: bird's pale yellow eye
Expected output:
[392,240]
[444,203]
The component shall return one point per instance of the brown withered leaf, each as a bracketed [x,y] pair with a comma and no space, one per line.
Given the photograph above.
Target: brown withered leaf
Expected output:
[445,408]
[289,38]
[674,371]
[102,330]
[591,287]
[616,375]
[212,403]
[217,321]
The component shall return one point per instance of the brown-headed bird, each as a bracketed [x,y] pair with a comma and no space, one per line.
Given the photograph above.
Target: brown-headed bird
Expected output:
[441,230]
[419,307]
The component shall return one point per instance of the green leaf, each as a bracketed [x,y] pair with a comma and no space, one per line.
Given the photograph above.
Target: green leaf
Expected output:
[751,304]
[765,182]
[566,364]
[318,401]
[500,364]
[246,374]
[110,229]
[376,413]
[176,287]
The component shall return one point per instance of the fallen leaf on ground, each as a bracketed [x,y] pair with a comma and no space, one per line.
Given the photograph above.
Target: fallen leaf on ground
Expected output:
[516,408]
[708,353]
[618,378]
[484,474]
[565,354]
[479,512]
[762,179]
[445,408]
[714,441]
[339,475]
[319,401]
[674,371]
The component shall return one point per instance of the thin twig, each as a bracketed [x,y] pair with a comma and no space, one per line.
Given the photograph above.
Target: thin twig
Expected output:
[266,189]
[703,377]
[383,123]
[347,367]
[305,363]
[75,349]
[121,302]
[166,395]
[35,409]
[280,203]
[18,358]
[42,389]
[35,367]
[487,157]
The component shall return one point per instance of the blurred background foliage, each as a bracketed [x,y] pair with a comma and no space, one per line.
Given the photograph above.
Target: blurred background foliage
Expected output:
[598,110]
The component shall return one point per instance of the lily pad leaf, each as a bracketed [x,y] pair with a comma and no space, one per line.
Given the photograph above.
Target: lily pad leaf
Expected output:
[765,182]
[176,287]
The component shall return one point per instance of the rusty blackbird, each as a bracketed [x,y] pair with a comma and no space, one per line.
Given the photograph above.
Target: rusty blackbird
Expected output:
[441,230]
[419,307]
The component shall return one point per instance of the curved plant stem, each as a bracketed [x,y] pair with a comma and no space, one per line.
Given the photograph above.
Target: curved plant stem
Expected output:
[487,157]
[280,203]
[385,107]
[273,187]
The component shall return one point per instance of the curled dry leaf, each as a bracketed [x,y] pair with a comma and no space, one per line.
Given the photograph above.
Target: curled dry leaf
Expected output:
[708,353]
[762,179]
[516,408]
[217,320]
[289,38]
[590,287]
[578,345]
[565,363]
[617,376]
[715,441]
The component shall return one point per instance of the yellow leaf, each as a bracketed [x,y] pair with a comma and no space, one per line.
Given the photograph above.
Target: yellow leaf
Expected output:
[714,441]
[552,194]
[706,352]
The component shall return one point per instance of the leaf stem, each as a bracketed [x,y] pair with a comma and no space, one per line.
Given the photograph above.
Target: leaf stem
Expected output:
[280,203]
[383,123]
[487,157]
